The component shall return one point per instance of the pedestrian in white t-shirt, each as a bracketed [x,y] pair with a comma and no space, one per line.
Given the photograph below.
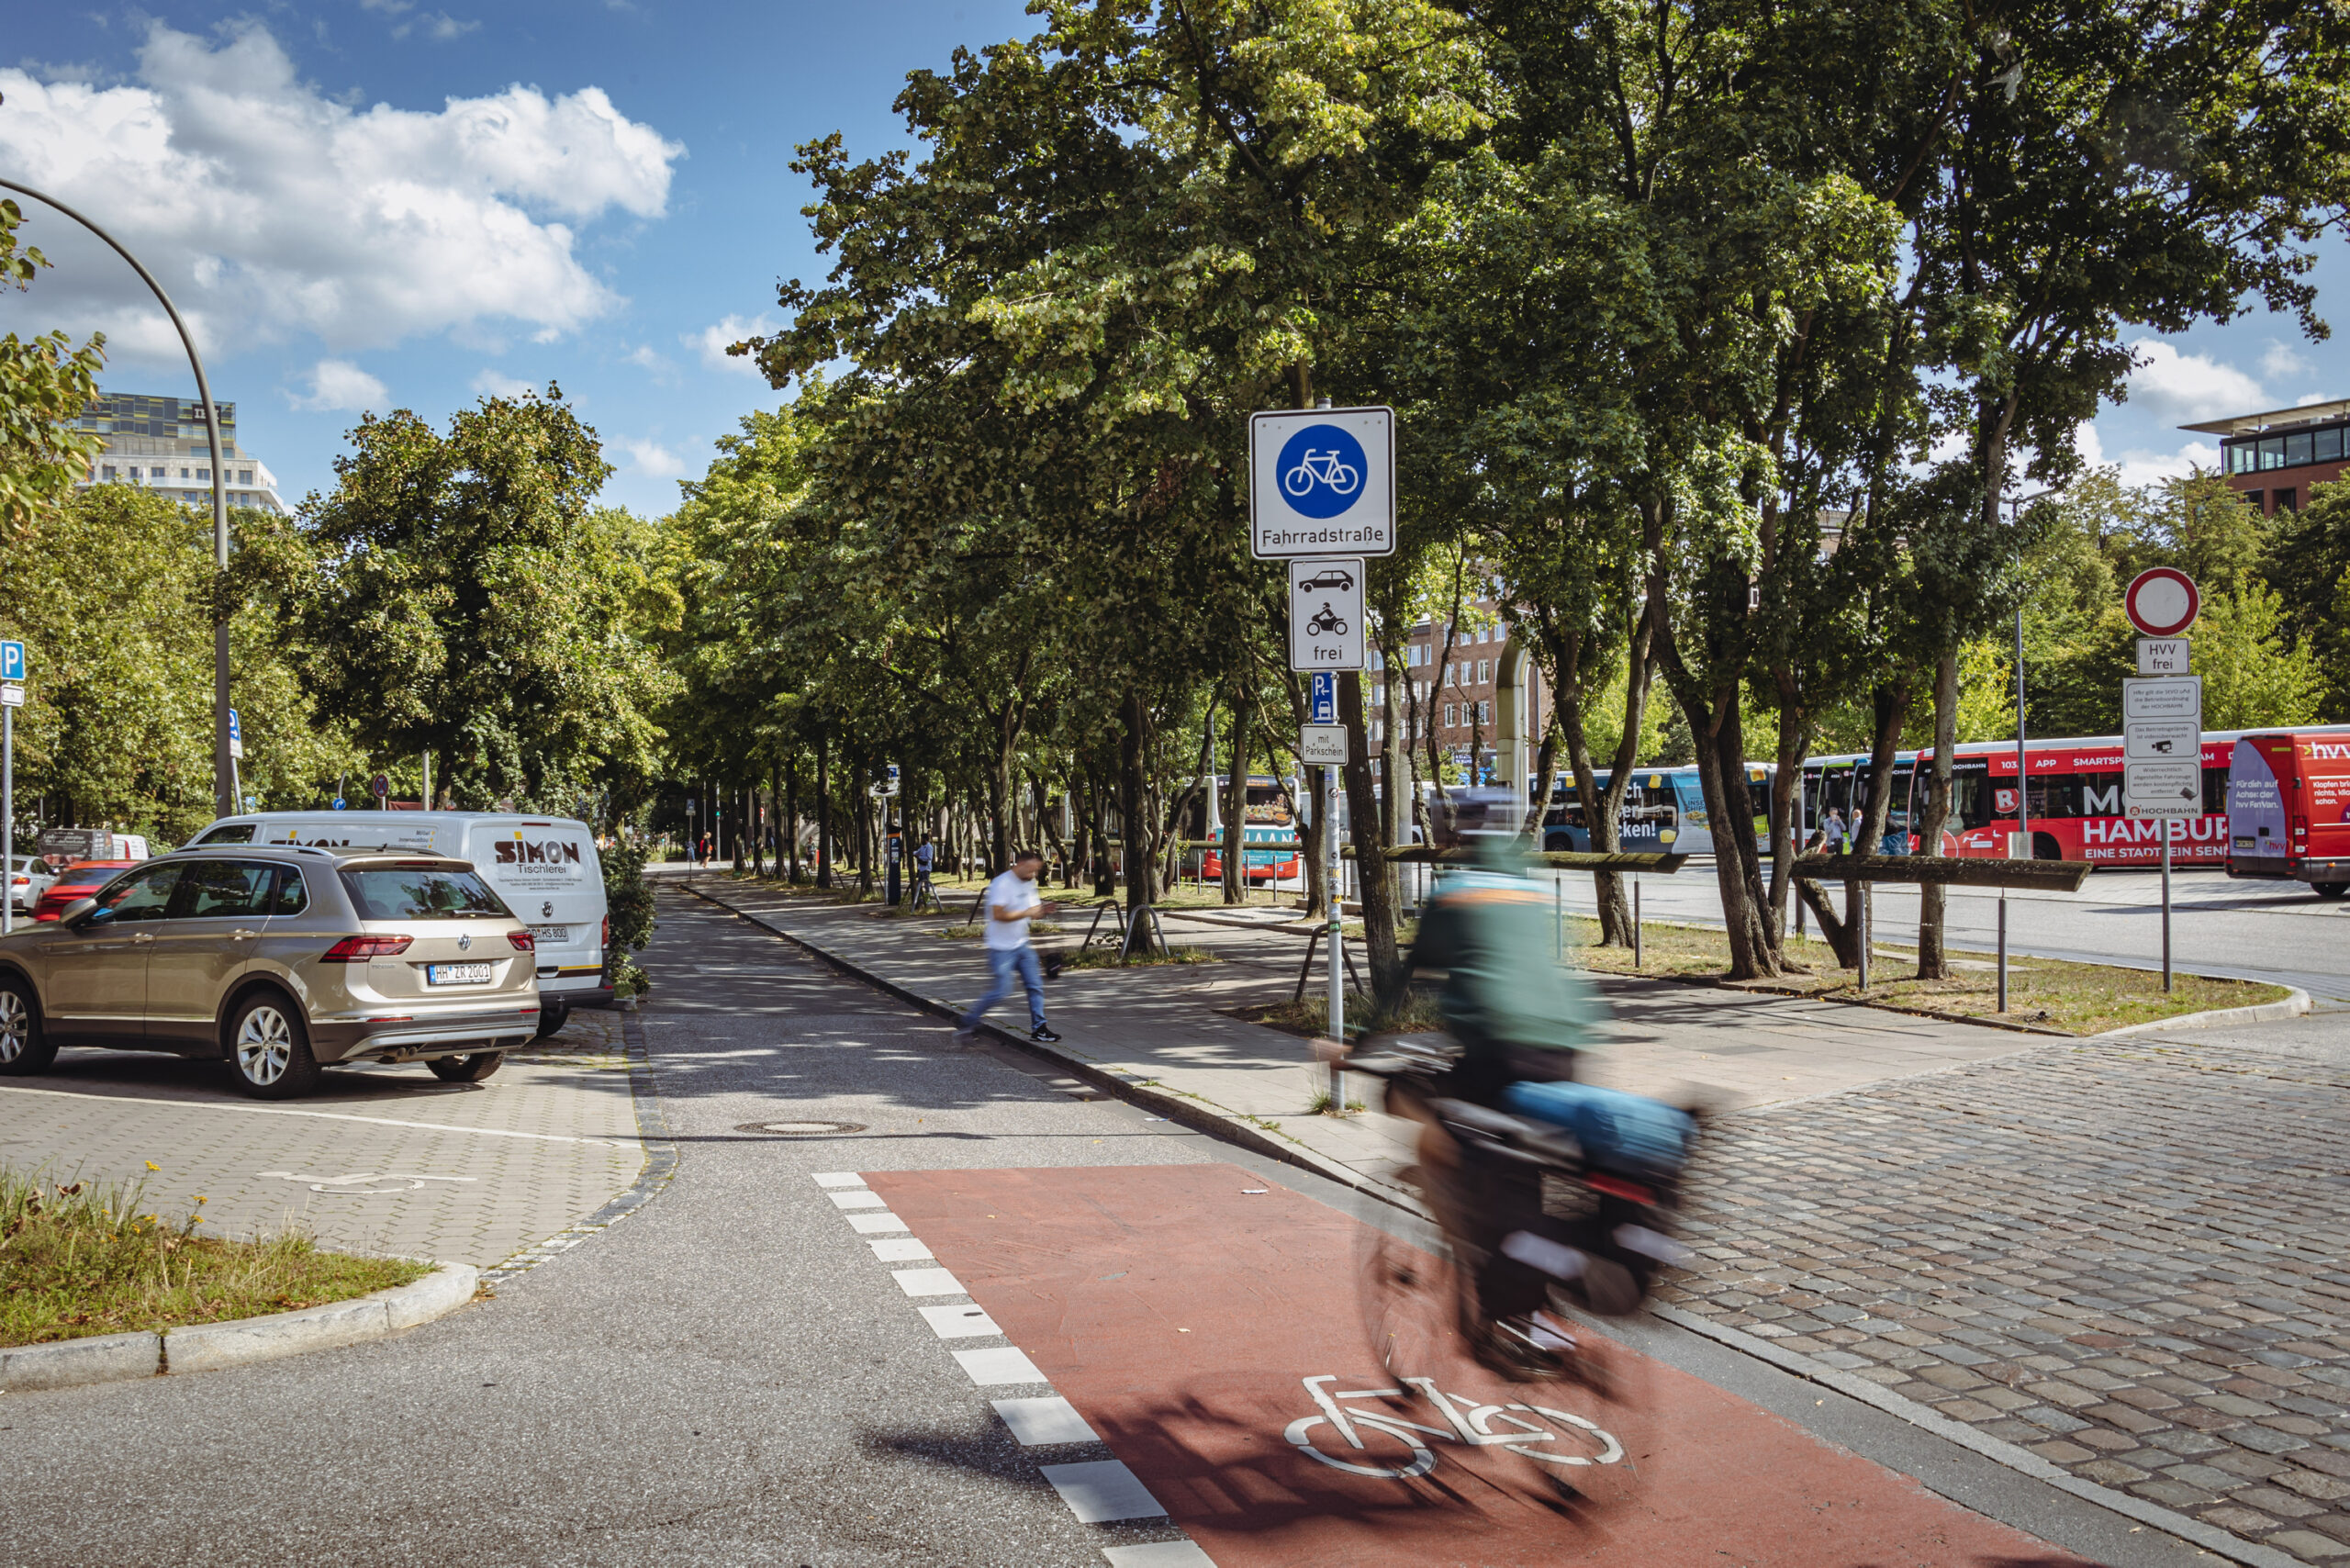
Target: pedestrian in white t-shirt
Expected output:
[1011,904]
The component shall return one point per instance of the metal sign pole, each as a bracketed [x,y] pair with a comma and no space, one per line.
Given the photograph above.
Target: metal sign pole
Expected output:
[1338,971]
[2167,822]
[8,816]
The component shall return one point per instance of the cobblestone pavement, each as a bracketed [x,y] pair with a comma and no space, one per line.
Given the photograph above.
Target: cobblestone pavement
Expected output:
[383,1160]
[2130,1257]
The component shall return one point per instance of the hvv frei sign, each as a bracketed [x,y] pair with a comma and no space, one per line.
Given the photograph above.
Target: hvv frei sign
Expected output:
[1322,482]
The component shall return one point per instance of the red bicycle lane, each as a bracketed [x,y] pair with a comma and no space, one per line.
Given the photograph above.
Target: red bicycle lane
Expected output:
[1206,1323]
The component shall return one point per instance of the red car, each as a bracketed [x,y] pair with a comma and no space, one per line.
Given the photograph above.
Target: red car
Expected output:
[78,880]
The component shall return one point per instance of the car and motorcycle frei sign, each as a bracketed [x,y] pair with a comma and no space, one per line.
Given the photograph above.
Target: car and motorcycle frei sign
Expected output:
[1325,613]
[1322,482]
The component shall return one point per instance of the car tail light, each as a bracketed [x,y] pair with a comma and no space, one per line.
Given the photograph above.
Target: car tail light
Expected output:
[359,949]
[524,941]
[607,941]
[2301,827]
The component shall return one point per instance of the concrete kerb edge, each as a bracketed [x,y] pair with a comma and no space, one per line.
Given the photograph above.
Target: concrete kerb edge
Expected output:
[1998,1450]
[1200,1116]
[240,1341]
[2291,1006]
[660,1162]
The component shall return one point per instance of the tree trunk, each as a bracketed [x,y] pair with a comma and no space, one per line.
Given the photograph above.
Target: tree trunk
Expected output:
[791,814]
[1235,804]
[1374,873]
[1787,808]
[1933,954]
[1133,794]
[1604,808]
[823,809]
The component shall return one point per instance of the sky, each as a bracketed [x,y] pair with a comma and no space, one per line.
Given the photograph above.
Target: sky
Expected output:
[370,205]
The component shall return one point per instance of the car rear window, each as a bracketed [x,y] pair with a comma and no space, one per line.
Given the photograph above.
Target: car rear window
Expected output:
[416,892]
[235,832]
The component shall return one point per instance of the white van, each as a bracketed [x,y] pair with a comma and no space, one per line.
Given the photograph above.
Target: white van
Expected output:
[544,867]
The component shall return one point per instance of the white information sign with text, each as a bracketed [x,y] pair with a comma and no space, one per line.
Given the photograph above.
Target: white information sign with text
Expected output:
[1325,613]
[2161,747]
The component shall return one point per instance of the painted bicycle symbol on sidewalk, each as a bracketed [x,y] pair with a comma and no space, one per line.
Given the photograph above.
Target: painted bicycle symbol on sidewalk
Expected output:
[1536,1431]
[363,1183]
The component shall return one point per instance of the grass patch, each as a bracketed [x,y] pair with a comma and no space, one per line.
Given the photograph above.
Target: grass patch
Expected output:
[957,933]
[86,1258]
[1106,958]
[1311,1017]
[2078,999]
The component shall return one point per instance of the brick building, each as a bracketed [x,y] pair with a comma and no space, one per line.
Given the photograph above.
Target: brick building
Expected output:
[1468,699]
[2274,458]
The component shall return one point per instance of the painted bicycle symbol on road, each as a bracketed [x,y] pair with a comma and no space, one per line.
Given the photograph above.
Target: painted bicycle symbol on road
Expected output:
[1536,1431]
[363,1183]
[1321,468]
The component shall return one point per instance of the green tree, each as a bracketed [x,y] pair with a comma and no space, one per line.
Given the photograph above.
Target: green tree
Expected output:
[112,595]
[462,595]
[45,383]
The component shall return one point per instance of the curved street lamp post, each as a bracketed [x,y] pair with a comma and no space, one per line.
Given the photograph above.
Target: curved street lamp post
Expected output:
[224,802]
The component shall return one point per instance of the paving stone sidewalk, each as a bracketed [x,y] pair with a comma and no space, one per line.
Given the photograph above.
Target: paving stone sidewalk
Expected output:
[383,1160]
[2127,1257]
[1178,1026]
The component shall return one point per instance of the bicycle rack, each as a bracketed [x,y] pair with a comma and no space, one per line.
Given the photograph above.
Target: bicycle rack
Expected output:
[1132,924]
[1306,969]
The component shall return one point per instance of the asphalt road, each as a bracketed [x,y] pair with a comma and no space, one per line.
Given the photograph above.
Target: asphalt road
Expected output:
[738,1373]
[2250,930]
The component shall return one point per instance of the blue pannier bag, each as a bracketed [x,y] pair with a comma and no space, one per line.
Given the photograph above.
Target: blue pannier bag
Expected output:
[1630,1132]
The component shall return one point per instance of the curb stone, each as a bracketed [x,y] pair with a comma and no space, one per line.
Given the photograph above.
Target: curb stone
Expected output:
[1200,1116]
[2291,1006]
[207,1347]
[2210,1538]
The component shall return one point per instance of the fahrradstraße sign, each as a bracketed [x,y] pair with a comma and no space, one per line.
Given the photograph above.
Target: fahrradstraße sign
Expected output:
[1321,481]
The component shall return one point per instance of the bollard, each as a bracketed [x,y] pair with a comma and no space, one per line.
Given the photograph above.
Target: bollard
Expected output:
[2003,949]
[1636,922]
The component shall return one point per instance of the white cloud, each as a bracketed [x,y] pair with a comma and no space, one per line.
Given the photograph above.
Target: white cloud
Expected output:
[2281,362]
[2306,398]
[653,460]
[269,209]
[2140,465]
[494,383]
[2178,386]
[645,357]
[339,383]
[711,343]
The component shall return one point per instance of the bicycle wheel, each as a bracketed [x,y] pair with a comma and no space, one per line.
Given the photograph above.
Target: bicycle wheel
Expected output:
[1413,1304]
[1342,478]
[1290,481]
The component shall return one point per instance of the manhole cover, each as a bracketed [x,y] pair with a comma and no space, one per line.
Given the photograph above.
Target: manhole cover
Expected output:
[800,1129]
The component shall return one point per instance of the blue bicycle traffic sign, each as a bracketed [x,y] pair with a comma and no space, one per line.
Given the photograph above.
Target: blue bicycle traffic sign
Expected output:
[1322,470]
[1321,483]
[12,661]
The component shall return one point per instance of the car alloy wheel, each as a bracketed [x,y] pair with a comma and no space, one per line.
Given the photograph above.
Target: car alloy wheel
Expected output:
[16,1026]
[265,1045]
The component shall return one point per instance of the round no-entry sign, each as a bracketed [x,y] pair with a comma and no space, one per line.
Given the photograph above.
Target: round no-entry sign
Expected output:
[2160,601]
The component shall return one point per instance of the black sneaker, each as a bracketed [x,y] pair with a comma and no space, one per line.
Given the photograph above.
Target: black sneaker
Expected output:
[1042,1034]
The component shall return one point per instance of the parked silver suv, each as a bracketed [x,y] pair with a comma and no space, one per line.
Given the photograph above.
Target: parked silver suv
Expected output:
[277,960]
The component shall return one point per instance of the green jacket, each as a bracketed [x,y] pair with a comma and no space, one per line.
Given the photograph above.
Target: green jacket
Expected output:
[1494,934]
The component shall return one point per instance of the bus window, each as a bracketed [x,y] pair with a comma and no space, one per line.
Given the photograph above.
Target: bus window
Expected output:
[2101,794]
[2215,790]
[1972,795]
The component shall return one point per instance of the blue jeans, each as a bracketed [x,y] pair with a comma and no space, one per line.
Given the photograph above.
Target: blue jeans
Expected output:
[1004,963]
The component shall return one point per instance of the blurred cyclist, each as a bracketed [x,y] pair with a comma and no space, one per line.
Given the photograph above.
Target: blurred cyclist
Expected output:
[1522,1018]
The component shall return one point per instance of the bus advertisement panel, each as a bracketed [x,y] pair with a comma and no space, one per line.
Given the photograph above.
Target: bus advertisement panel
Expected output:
[1267,822]
[2074,796]
[1664,811]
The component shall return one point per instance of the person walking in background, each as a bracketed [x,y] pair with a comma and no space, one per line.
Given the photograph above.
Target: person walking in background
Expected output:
[925,856]
[1011,904]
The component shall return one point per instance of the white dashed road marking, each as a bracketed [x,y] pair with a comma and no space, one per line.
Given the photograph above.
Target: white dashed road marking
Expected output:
[959,1322]
[1100,1490]
[1096,1490]
[1000,1367]
[1039,1422]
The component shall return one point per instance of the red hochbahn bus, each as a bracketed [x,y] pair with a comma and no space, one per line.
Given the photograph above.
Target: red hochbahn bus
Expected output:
[2073,791]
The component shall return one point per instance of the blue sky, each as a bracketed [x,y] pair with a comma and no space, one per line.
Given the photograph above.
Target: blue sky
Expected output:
[377,204]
